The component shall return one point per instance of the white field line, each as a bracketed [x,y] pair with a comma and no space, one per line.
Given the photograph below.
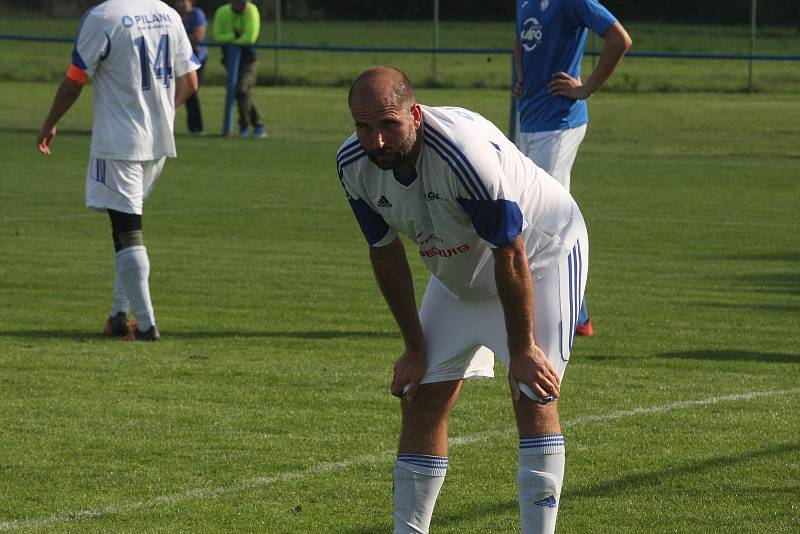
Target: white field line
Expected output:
[91,513]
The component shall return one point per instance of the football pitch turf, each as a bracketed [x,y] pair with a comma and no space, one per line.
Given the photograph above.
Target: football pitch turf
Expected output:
[265,407]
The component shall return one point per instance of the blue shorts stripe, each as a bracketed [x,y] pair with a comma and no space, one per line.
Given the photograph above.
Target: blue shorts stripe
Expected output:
[572,291]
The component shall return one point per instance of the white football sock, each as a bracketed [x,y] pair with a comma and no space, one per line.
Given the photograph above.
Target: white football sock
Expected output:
[539,479]
[120,301]
[417,481]
[133,267]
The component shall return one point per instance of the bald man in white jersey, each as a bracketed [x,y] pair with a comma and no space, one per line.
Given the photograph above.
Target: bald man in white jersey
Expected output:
[508,252]
[143,67]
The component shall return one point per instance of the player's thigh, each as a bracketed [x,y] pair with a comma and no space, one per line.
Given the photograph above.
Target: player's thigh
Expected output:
[115,184]
[554,151]
[121,185]
[453,334]
[557,301]
[151,170]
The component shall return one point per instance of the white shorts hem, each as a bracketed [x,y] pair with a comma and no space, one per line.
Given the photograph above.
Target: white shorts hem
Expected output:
[456,376]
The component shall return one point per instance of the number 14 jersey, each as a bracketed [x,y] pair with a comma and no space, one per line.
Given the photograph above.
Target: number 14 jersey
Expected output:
[135,50]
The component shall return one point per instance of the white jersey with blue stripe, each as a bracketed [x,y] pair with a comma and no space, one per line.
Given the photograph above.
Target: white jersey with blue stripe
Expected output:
[473,191]
[134,49]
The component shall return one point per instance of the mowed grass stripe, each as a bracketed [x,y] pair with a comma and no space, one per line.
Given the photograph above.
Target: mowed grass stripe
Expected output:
[81,515]
[277,346]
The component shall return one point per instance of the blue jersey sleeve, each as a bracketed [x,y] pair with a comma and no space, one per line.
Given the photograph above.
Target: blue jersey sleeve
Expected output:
[592,14]
[200,18]
[372,224]
[497,221]
[375,229]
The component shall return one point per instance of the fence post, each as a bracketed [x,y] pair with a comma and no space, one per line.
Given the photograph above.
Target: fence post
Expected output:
[752,45]
[233,55]
[277,34]
[434,66]
[513,115]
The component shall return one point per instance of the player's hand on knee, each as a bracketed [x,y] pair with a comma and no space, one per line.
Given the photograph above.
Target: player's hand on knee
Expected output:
[408,371]
[532,368]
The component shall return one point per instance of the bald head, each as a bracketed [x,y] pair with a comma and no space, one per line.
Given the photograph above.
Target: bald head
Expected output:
[386,85]
[387,118]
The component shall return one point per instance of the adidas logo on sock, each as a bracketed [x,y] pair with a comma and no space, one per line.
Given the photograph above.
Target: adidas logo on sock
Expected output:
[383,202]
[548,501]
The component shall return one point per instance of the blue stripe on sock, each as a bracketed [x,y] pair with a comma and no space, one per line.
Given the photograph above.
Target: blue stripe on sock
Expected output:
[424,460]
[547,440]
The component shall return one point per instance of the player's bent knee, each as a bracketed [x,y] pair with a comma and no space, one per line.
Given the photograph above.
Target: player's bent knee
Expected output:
[126,229]
[433,401]
[535,418]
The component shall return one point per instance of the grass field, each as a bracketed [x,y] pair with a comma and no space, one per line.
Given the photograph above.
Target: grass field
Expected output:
[265,408]
[26,61]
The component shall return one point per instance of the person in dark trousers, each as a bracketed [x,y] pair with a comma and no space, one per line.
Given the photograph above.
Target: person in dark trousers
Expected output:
[195,23]
[238,23]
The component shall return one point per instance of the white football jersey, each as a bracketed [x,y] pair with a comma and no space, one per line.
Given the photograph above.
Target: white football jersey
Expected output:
[134,49]
[473,191]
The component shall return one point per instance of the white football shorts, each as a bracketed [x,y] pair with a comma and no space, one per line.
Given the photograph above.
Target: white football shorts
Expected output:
[463,336]
[554,151]
[120,185]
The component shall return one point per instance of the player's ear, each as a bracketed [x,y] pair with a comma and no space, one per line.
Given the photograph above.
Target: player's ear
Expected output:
[416,115]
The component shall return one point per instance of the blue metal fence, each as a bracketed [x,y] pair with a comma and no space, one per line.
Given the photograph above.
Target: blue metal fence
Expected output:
[233,61]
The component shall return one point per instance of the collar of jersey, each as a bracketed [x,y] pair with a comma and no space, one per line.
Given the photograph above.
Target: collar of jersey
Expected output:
[406,181]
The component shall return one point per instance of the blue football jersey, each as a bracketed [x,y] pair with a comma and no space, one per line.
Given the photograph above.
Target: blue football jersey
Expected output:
[552,35]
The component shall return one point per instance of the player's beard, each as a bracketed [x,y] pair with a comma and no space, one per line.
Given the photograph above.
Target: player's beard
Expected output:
[387,158]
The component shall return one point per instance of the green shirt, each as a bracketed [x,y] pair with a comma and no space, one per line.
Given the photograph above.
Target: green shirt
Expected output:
[228,24]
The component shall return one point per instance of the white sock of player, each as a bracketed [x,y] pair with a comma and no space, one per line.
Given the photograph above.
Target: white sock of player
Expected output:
[417,481]
[133,267]
[539,479]
[120,301]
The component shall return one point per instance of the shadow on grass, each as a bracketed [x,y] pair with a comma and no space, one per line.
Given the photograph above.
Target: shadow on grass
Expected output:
[678,472]
[300,334]
[709,355]
[732,356]
[790,256]
[768,308]
[614,486]
[782,283]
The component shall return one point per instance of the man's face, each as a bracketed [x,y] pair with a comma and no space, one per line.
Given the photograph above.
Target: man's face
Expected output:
[387,131]
[183,6]
[238,5]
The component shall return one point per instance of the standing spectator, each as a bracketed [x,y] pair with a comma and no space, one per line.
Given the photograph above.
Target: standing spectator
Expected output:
[551,35]
[195,22]
[143,68]
[238,23]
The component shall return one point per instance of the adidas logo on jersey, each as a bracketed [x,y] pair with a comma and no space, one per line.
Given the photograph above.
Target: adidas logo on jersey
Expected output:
[383,202]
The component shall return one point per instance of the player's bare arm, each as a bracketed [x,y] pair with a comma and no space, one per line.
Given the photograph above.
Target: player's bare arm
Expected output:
[528,363]
[66,95]
[185,86]
[616,43]
[519,86]
[393,276]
